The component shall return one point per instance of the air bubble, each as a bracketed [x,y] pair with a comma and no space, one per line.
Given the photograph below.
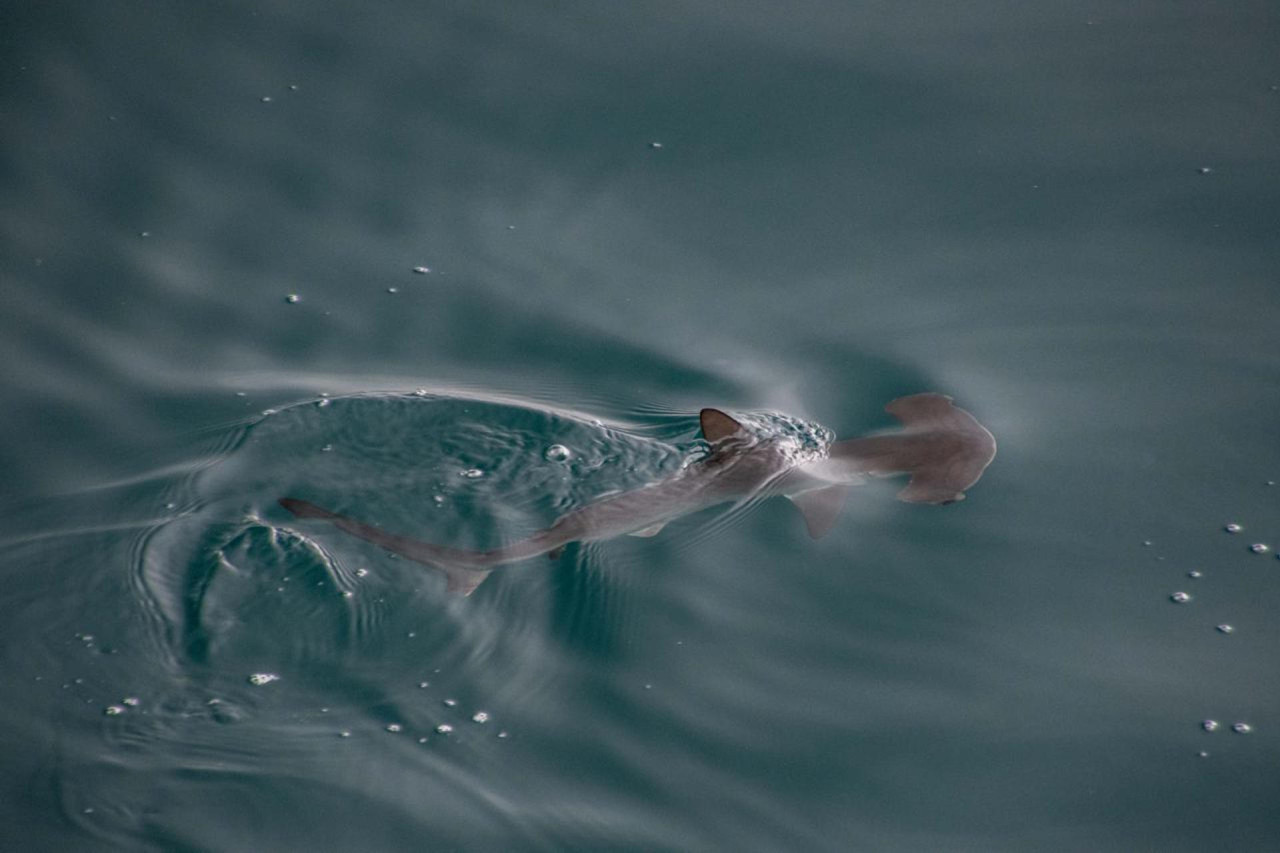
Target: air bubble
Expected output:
[361,572]
[1241,728]
[444,728]
[452,703]
[344,733]
[422,270]
[1232,528]
[114,710]
[260,678]
[393,727]
[1209,725]
[472,473]
[1180,597]
[480,717]
[1194,574]
[556,453]
[293,299]
[1259,548]
[131,701]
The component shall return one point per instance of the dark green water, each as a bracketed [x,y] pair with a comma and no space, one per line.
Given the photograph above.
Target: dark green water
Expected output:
[1065,217]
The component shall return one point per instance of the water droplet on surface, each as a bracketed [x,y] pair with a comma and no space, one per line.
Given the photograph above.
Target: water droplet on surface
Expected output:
[114,710]
[556,453]
[293,298]
[1259,548]
[260,678]
[1241,728]
[480,717]
[1209,725]
[1224,628]
[1180,597]
[393,727]
[444,728]
[1232,527]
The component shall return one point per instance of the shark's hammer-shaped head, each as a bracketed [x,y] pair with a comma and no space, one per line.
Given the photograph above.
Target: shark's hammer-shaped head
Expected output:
[941,446]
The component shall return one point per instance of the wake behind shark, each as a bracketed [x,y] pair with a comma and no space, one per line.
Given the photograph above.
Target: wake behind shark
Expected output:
[941,447]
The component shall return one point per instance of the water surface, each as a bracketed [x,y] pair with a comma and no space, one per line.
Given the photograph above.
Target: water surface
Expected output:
[1064,218]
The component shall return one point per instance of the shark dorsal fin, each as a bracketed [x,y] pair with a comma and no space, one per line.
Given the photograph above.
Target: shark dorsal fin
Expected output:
[716,425]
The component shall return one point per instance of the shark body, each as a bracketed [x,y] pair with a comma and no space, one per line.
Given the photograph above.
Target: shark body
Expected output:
[941,447]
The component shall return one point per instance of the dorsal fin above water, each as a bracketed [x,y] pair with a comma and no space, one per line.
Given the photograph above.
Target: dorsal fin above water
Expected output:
[716,425]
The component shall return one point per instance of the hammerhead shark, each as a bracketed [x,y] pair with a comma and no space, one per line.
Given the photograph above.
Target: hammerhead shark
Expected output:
[941,447]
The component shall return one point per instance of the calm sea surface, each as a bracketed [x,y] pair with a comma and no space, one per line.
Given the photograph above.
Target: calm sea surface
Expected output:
[1066,217]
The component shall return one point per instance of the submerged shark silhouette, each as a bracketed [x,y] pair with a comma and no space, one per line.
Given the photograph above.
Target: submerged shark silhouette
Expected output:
[941,446]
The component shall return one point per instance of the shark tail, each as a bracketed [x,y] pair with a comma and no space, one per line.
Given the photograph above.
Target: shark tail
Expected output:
[462,579]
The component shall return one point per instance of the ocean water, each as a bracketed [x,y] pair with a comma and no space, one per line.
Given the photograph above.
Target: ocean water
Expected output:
[383,256]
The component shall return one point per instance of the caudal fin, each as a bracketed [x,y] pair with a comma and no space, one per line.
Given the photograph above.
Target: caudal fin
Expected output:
[305,509]
[461,579]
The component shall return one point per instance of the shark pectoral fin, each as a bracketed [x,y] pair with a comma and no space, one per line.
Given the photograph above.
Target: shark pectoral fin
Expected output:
[463,581]
[651,530]
[820,508]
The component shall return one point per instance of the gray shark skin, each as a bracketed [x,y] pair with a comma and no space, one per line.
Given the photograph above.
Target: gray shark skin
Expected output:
[941,447]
